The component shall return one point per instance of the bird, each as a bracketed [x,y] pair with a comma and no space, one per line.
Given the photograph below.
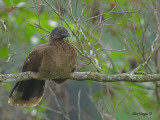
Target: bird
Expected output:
[54,60]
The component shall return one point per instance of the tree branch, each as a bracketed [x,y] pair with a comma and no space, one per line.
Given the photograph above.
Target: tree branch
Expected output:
[82,76]
[16,77]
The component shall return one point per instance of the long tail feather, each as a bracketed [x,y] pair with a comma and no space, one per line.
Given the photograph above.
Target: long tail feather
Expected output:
[27,93]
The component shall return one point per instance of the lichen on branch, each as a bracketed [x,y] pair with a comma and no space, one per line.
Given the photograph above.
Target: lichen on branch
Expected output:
[82,76]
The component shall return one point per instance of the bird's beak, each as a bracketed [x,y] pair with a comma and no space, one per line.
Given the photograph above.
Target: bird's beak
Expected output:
[67,35]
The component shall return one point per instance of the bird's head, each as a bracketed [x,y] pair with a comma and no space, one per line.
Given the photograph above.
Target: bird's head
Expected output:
[59,33]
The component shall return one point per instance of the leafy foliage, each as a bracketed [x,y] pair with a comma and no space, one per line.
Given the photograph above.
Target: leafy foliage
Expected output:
[113,36]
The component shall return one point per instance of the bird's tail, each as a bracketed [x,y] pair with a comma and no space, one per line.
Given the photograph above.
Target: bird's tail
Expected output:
[27,93]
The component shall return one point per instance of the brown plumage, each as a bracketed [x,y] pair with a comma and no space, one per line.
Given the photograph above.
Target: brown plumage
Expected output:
[54,60]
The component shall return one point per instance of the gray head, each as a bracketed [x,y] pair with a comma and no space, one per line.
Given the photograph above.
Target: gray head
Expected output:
[59,33]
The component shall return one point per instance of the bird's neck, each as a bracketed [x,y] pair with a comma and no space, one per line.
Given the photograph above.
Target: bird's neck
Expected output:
[51,42]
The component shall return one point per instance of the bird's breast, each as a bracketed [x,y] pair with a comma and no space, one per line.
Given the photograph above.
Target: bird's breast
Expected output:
[58,61]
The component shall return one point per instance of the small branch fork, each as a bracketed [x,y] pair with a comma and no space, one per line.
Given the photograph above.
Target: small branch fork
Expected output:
[82,76]
[10,55]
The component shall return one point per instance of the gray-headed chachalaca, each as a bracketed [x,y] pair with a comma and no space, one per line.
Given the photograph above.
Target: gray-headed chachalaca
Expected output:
[55,59]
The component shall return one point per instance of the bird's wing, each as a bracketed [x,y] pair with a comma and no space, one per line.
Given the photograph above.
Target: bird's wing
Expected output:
[33,61]
[30,92]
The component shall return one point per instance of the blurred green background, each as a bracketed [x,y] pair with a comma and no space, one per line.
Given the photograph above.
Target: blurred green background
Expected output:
[119,41]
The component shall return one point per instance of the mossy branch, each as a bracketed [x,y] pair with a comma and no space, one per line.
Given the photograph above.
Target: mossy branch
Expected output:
[82,76]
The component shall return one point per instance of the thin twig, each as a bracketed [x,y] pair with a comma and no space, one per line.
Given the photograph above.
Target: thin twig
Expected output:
[79,109]
[10,55]
[100,15]
[144,37]
[4,25]
[76,9]
[96,106]
[114,50]
[122,100]
[38,26]
[150,56]
[157,93]
[44,36]
[37,8]
[50,109]
[15,7]
[66,116]
[82,12]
